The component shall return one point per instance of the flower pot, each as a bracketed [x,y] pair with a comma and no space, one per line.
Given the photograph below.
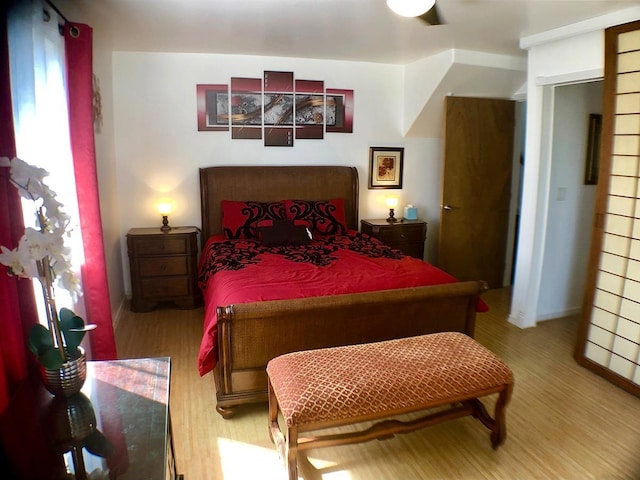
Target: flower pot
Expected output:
[69,378]
[70,420]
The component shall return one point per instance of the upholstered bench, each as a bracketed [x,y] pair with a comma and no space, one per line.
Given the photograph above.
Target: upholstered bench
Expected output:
[330,387]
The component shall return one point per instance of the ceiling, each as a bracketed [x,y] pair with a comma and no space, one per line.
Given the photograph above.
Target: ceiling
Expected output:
[354,30]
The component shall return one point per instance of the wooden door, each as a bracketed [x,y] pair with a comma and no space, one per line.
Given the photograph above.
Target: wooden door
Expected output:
[478,156]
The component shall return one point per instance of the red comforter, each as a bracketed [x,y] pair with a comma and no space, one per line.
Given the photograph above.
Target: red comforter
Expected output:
[242,271]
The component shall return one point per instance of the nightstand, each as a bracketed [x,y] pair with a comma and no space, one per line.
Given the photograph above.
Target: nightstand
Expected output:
[407,236]
[163,267]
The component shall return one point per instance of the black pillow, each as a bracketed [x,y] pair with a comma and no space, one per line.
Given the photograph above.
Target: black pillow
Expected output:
[283,232]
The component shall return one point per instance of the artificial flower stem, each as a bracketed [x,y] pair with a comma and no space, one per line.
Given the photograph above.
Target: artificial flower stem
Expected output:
[50,304]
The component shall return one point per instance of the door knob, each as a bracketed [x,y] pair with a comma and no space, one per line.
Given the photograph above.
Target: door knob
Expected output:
[448,207]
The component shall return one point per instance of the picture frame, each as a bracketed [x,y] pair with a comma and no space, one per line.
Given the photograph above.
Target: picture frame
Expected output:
[339,110]
[213,107]
[385,167]
[592,161]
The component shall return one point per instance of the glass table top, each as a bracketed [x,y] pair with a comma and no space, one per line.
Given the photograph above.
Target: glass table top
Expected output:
[117,427]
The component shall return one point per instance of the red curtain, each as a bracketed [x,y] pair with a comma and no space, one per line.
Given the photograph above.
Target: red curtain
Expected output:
[17,302]
[79,55]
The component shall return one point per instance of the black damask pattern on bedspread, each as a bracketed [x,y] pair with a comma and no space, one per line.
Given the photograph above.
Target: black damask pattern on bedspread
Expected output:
[237,254]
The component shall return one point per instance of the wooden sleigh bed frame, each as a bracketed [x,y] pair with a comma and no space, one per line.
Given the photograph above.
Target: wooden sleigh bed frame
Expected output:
[251,334]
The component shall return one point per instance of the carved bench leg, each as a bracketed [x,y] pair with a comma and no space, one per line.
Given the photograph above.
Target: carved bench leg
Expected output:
[499,433]
[292,452]
[287,447]
[497,424]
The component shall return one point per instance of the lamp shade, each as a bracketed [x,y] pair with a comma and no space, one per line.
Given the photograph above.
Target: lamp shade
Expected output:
[410,8]
[165,207]
[392,202]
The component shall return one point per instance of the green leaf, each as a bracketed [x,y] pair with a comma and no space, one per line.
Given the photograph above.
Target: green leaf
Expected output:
[97,444]
[39,339]
[50,358]
[72,327]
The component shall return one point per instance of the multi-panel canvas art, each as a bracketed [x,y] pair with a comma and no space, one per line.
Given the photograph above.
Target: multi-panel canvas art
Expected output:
[276,108]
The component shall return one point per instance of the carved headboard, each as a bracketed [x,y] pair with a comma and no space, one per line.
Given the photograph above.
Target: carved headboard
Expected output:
[270,183]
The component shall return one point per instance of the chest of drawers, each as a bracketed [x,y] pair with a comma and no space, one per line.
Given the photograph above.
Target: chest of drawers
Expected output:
[163,267]
[408,236]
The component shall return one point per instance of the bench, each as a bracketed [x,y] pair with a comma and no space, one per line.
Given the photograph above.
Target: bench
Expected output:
[332,387]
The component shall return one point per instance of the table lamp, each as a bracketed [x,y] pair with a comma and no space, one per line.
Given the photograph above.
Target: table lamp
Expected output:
[392,203]
[165,207]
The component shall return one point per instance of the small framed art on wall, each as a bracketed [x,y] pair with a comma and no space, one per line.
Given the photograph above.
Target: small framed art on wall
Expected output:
[385,167]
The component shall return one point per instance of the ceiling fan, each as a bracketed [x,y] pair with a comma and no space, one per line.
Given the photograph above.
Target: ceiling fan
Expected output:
[425,10]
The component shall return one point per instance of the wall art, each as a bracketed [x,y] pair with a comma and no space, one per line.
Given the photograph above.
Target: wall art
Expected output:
[278,109]
[213,107]
[310,109]
[278,105]
[593,149]
[246,108]
[339,110]
[385,167]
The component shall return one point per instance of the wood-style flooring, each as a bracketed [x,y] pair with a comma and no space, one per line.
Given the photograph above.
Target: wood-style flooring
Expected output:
[563,422]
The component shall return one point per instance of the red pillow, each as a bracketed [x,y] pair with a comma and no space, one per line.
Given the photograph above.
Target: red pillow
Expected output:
[240,219]
[326,217]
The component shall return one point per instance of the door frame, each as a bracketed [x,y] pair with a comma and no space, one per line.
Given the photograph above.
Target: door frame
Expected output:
[536,198]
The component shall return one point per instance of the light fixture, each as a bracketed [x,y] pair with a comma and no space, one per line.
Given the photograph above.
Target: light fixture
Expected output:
[410,8]
[165,207]
[392,203]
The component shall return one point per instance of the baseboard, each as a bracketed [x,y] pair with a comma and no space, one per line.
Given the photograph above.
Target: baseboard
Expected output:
[563,313]
[118,315]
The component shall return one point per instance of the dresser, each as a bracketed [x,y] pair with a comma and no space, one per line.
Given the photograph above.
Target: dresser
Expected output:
[118,426]
[408,236]
[163,267]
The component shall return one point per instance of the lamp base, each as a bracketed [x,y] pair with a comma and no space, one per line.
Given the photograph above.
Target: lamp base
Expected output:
[391,218]
[165,224]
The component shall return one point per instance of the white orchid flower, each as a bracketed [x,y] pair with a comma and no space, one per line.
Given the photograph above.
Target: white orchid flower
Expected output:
[14,259]
[29,179]
[54,213]
[69,281]
[35,243]
[47,242]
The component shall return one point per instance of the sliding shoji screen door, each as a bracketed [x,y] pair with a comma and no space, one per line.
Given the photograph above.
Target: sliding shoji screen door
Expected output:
[609,335]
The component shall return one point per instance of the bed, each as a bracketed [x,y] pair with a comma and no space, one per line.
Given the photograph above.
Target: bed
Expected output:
[243,331]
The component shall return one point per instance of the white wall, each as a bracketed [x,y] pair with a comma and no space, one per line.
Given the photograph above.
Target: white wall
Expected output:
[566,55]
[571,202]
[107,180]
[576,56]
[158,148]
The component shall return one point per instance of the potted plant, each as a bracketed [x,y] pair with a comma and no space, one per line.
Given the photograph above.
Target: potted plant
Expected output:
[41,254]
[72,426]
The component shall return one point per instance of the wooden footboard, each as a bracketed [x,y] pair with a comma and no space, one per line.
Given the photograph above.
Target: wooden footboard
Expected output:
[251,334]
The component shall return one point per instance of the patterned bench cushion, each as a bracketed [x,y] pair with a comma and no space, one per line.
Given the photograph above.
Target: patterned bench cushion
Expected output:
[383,378]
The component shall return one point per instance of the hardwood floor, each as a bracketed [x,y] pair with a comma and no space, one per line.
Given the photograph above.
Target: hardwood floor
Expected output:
[563,422]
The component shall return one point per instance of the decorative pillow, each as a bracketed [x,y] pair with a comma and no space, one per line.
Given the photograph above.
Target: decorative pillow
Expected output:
[326,217]
[240,219]
[274,233]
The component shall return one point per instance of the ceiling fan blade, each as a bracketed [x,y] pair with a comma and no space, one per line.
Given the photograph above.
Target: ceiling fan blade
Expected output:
[431,16]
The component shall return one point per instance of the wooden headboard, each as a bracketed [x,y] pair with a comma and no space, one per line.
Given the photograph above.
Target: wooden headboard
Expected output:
[270,184]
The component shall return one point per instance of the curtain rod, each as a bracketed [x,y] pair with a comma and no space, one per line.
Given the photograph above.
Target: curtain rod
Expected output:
[75,32]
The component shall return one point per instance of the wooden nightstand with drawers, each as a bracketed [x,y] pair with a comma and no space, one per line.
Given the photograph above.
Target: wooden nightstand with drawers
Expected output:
[163,267]
[407,236]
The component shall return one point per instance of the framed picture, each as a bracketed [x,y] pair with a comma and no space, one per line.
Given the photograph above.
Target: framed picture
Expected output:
[339,110]
[593,149]
[213,107]
[385,167]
